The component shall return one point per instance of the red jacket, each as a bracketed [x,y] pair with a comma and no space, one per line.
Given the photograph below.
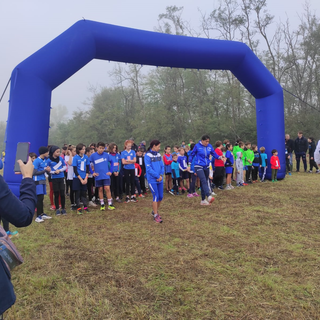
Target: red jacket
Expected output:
[137,170]
[275,162]
[217,162]
[166,161]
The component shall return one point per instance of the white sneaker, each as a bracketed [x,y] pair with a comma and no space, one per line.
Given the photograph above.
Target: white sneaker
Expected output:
[204,202]
[228,188]
[91,204]
[213,194]
[210,199]
[39,219]
[45,217]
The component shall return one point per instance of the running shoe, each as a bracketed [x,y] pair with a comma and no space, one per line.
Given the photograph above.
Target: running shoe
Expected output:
[195,194]
[133,199]
[45,217]
[228,188]
[204,203]
[58,213]
[220,188]
[86,209]
[103,207]
[111,206]
[157,218]
[190,195]
[141,196]
[171,192]
[79,211]
[12,233]
[244,184]
[119,200]
[127,200]
[291,174]
[91,204]
[39,219]
[53,208]
[64,212]
[210,199]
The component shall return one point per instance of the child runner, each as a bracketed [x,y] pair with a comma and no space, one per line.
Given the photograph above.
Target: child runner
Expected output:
[229,165]
[58,167]
[90,184]
[184,171]
[71,152]
[239,166]
[275,165]
[192,190]
[219,167]
[167,159]
[249,156]
[115,160]
[138,172]
[102,173]
[264,163]
[40,168]
[140,161]
[155,170]
[128,157]
[175,174]
[80,165]
[255,163]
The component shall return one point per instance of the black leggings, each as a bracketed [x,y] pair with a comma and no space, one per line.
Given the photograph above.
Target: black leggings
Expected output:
[83,195]
[255,171]
[5,224]
[218,176]
[62,197]
[90,188]
[40,198]
[248,173]
[72,193]
[115,185]
[129,176]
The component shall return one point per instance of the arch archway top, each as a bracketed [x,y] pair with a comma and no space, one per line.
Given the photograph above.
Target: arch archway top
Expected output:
[87,40]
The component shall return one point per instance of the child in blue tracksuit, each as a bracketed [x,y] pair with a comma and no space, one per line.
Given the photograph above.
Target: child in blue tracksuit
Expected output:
[154,171]
[175,174]
[40,168]
[229,165]
[192,190]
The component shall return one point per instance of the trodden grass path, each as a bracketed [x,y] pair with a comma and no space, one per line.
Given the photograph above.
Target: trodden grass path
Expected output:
[252,254]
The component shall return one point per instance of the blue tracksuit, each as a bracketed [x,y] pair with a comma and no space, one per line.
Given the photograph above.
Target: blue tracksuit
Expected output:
[154,169]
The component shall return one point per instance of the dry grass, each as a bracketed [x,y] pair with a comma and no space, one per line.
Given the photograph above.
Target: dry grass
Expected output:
[253,254]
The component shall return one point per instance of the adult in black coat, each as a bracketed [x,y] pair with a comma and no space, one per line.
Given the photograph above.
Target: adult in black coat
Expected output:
[290,147]
[301,146]
[19,212]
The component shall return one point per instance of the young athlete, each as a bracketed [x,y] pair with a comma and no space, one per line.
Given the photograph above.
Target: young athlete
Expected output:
[275,165]
[81,171]
[155,170]
[140,161]
[58,167]
[102,173]
[40,168]
[167,159]
[90,184]
[263,164]
[229,165]
[192,191]
[249,156]
[219,167]
[175,174]
[115,161]
[128,157]
[184,171]
[71,152]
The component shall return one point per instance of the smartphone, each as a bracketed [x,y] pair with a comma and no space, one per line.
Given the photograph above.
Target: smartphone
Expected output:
[23,149]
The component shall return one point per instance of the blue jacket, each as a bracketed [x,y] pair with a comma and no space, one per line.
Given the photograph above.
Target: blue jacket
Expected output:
[19,213]
[175,170]
[230,160]
[154,165]
[202,153]
[1,164]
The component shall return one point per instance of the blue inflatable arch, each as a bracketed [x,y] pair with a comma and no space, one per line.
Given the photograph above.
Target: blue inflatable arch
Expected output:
[33,80]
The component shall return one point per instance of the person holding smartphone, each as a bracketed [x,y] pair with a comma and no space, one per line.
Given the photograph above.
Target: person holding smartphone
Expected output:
[19,212]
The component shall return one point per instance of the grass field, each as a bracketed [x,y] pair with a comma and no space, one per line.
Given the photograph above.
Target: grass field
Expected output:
[252,254]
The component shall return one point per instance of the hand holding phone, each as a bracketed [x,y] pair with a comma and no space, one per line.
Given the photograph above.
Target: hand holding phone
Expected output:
[26,169]
[22,154]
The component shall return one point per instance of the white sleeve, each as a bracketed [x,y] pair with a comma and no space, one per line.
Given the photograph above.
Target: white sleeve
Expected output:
[317,153]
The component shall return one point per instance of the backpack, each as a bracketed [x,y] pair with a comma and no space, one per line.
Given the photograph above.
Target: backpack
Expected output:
[8,251]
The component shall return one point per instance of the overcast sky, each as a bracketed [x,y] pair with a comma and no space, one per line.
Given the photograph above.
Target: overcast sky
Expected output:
[26,26]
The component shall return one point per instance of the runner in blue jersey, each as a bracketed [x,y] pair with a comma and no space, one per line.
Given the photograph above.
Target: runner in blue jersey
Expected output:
[101,172]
